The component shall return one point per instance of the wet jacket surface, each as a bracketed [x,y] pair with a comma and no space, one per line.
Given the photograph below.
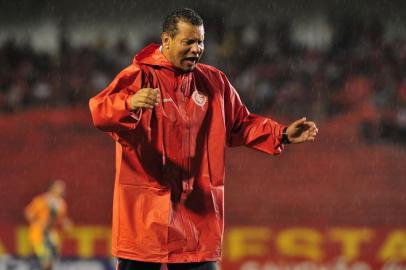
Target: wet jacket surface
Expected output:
[169,184]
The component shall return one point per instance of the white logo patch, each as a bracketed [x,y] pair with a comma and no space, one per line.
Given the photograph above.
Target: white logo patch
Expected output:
[199,98]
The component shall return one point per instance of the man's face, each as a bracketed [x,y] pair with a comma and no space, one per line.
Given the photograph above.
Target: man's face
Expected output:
[185,49]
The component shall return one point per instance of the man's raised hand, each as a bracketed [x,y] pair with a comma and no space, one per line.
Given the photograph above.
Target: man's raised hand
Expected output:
[145,98]
[302,131]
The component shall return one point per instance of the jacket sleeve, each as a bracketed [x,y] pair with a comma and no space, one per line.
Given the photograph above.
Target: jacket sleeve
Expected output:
[108,108]
[245,128]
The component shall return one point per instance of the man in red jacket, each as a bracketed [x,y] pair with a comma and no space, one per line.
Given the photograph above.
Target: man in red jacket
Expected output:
[171,118]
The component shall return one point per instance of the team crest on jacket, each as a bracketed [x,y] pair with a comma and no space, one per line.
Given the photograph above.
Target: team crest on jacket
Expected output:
[199,98]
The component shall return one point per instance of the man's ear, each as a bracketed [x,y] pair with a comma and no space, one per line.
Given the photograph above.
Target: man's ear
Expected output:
[166,39]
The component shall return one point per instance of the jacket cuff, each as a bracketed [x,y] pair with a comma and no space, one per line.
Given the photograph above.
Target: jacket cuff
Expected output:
[136,114]
[285,139]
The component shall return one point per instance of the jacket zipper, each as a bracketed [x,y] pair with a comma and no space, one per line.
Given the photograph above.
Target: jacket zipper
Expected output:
[191,229]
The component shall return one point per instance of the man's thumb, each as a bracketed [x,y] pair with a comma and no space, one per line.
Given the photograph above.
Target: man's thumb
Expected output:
[299,121]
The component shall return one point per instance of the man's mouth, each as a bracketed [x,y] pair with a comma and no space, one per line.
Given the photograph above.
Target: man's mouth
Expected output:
[191,59]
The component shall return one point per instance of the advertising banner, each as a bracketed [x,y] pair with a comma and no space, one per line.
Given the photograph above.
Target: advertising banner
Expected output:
[244,248]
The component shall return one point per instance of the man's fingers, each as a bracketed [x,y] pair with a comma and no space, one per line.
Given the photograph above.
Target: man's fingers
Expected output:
[312,133]
[299,122]
[144,98]
[148,92]
[145,91]
[140,104]
[141,100]
[302,130]
[311,126]
[149,99]
[148,95]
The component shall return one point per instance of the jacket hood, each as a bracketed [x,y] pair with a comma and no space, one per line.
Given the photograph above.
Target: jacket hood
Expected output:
[151,55]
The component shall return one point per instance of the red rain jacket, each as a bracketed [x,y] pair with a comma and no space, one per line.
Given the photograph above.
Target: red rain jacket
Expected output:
[169,187]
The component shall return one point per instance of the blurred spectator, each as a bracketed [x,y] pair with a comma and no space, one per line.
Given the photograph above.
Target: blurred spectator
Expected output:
[360,73]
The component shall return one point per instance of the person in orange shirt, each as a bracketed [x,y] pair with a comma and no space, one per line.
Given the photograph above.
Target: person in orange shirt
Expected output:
[44,214]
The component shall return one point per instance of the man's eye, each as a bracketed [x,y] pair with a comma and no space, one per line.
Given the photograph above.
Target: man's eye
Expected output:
[188,42]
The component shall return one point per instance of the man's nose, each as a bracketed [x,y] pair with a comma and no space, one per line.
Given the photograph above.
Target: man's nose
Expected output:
[196,49]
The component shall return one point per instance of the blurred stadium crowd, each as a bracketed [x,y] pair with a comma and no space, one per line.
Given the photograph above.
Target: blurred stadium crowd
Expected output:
[361,73]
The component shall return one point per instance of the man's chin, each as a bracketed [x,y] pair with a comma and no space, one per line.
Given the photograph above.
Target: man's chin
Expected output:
[188,68]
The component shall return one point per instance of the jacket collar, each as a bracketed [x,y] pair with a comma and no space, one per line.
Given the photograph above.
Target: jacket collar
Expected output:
[152,55]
